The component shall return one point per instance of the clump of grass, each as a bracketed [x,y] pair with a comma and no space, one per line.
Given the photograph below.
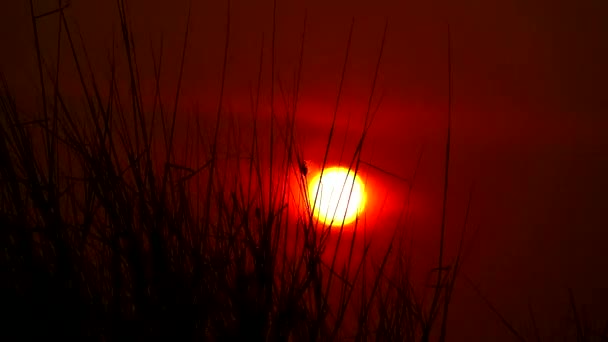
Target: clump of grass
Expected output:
[109,234]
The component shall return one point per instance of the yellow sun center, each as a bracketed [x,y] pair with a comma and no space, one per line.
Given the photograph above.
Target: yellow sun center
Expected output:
[338,195]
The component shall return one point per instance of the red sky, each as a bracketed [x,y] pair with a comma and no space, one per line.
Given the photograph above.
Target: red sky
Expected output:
[529,116]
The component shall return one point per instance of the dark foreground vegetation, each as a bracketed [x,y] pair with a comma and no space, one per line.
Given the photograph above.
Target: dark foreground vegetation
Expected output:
[108,233]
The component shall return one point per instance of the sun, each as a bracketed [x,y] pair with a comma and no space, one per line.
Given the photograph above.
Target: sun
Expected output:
[339,193]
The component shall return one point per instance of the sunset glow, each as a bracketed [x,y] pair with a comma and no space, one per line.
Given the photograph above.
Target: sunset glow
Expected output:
[340,196]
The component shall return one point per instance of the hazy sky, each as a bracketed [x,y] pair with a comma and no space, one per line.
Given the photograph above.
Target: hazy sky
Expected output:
[530,112]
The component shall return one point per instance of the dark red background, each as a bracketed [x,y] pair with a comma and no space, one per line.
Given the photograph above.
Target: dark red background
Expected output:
[529,119]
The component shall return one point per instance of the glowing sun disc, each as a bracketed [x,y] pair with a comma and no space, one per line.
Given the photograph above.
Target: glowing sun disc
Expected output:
[341,195]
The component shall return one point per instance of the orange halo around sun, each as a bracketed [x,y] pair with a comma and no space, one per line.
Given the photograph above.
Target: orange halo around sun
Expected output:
[335,201]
